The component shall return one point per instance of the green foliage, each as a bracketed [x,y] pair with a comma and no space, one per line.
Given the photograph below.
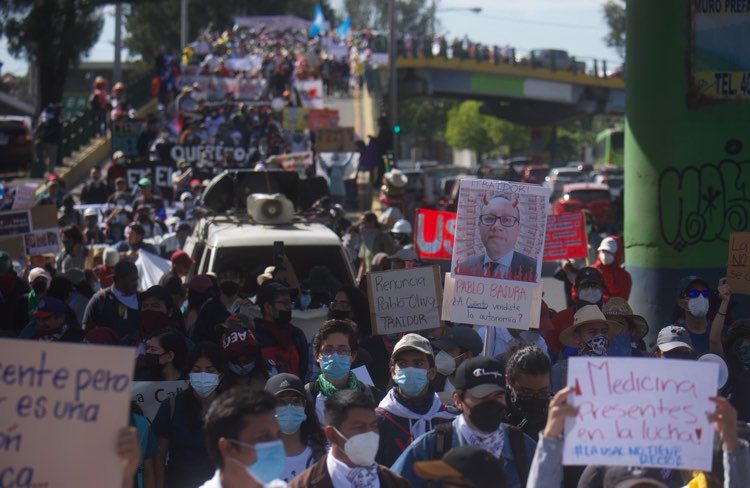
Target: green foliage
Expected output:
[614,14]
[412,16]
[466,128]
[424,117]
[52,34]
[152,25]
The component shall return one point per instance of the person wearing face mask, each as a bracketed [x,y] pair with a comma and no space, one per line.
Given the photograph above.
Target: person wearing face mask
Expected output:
[527,374]
[243,440]
[183,456]
[609,262]
[116,306]
[351,428]
[157,312]
[304,442]
[335,348]
[51,325]
[283,347]
[480,396]
[674,342]
[241,350]
[464,467]
[410,408]
[588,336]
[589,290]
[165,357]
[217,309]
[500,340]
[693,312]
[635,327]
[458,344]
[39,280]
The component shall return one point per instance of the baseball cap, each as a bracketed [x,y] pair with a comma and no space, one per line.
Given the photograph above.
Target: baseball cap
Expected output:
[413,342]
[181,256]
[404,255]
[480,376]
[589,275]
[460,336]
[239,341]
[49,306]
[269,289]
[285,382]
[628,476]
[472,463]
[687,281]
[37,273]
[144,182]
[672,337]
[608,244]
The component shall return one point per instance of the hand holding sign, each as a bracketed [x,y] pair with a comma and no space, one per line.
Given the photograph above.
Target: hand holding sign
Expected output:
[558,411]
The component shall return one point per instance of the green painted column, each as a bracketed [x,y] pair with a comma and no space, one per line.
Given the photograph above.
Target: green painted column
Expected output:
[687,146]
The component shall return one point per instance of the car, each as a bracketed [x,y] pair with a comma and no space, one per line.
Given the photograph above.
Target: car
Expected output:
[244,237]
[518,163]
[16,144]
[595,198]
[610,175]
[534,173]
[559,177]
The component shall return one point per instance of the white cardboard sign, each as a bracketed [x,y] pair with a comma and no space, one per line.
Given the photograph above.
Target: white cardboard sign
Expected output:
[150,394]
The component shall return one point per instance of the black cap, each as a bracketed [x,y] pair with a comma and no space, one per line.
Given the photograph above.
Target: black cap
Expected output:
[285,382]
[269,290]
[589,275]
[687,281]
[626,477]
[125,268]
[468,462]
[480,376]
[460,336]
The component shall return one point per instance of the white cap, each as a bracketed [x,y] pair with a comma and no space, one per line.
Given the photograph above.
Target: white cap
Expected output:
[186,195]
[90,212]
[37,272]
[111,257]
[608,244]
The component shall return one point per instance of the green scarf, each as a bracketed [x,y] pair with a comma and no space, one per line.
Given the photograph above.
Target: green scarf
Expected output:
[33,302]
[328,389]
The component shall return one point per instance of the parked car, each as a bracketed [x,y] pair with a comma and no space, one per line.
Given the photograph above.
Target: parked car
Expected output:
[560,177]
[535,173]
[16,144]
[610,175]
[595,198]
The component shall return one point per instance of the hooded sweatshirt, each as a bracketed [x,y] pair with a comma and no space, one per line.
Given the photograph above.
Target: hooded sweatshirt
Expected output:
[617,281]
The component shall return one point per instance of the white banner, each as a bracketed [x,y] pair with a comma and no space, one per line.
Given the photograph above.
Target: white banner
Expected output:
[310,92]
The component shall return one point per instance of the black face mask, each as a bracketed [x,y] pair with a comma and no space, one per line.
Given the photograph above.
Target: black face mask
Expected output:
[487,415]
[229,288]
[339,314]
[285,316]
[532,410]
[39,287]
[679,355]
[151,360]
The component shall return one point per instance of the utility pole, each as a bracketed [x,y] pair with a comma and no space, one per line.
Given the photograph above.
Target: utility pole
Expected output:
[393,91]
[183,23]
[117,66]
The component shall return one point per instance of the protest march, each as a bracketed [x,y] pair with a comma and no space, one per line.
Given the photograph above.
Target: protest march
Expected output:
[242,297]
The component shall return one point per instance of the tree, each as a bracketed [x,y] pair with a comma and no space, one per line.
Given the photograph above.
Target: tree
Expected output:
[151,26]
[52,35]
[466,128]
[425,117]
[614,14]
[361,13]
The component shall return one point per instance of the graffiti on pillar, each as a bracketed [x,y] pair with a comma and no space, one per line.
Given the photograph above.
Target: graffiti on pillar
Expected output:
[702,204]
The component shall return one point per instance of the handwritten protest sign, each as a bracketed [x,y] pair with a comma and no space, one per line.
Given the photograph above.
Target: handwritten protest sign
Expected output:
[335,139]
[566,237]
[738,263]
[435,234]
[149,394]
[405,300]
[310,92]
[322,118]
[296,118]
[633,413]
[62,406]
[497,253]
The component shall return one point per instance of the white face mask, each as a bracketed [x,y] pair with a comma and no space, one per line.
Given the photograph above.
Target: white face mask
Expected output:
[361,448]
[445,363]
[606,258]
[698,306]
[590,295]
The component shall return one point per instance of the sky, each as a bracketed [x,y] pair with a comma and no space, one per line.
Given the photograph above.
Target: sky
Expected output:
[576,26]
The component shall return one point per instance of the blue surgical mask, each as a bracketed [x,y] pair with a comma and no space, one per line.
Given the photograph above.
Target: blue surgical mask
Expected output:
[304,300]
[335,366]
[241,369]
[270,458]
[204,383]
[411,381]
[290,417]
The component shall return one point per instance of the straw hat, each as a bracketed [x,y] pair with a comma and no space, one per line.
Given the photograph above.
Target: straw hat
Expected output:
[590,314]
[396,178]
[618,309]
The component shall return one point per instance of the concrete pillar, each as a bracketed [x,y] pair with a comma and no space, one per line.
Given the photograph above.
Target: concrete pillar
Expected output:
[687,156]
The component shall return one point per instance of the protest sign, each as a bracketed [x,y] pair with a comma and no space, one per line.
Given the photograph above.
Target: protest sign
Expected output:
[405,300]
[296,118]
[42,241]
[335,139]
[632,412]
[25,195]
[322,118]
[62,406]
[125,134]
[566,237]
[292,162]
[149,394]
[435,234]
[310,92]
[500,229]
[212,153]
[15,222]
[738,263]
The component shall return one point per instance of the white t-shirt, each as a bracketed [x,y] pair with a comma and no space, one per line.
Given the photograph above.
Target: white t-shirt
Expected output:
[295,464]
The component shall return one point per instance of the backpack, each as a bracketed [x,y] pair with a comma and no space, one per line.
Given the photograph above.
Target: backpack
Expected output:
[444,443]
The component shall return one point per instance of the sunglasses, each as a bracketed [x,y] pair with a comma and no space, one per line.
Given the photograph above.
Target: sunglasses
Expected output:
[696,293]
